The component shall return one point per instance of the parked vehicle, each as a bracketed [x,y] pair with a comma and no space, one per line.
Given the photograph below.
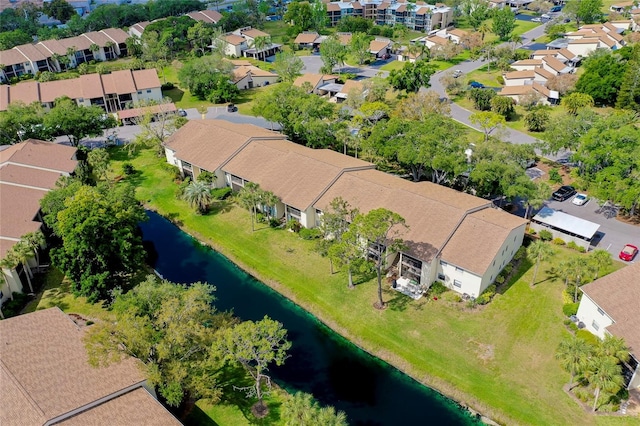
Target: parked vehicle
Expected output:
[628,253]
[457,73]
[580,199]
[476,85]
[182,113]
[536,19]
[563,193]
[232,108]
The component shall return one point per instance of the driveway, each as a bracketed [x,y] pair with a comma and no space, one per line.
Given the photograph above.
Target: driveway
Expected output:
[612,234]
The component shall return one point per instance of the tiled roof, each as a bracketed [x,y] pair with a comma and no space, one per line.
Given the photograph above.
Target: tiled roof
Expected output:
[618,294]
[528,62]
[209,16]
[554,64]
[313,79]
[515,75]
[377,45]
[543,73]
[12,57]
[234,39]
[441,41]
[117,35]
[253,33]
[45,374]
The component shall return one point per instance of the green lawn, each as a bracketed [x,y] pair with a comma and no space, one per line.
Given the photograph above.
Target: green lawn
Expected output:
[393,65]
[499,359]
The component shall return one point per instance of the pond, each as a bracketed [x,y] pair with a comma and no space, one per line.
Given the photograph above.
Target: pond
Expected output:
[336,372]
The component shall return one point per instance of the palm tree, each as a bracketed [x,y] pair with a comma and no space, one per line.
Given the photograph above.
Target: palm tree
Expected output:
[537,252]
[36,241]
[20,253]
[537,199]
[198,195]
[600,258]
[484,28]
[573,354]
[260,43]
[269,200]
[6,263]
[579,267]
[94,48]
[249,197]
[604,374]
[613,347]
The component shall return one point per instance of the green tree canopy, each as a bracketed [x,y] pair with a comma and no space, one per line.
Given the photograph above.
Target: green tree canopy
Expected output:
[21,122]
[602,78]
[587,11]
[412,76]
[69,119]
[170,328]
[302,410]
[287,66]
[202,75]
[101,246]
[504,22]
[59,9]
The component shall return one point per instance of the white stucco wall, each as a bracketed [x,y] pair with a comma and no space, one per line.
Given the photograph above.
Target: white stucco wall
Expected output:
[458,279]
[581,49]
[171,159]
[516,81]
[153,94]
[260,81]
[588,313]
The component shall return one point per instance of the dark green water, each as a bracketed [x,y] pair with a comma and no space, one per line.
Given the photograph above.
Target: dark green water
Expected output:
[336,372]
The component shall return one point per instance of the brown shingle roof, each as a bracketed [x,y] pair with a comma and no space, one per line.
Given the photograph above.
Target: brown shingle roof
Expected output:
[234,39]
[120,82]
[469,247]
[441,41]
[33,53]
[18,207]
[12,57]
[528,62]
[313,79]
[27,176]
[544,73]
[53,46]
[208,144]
[333,7]
[137,407]
[78,43]
[345,38]
[57,377]
[253,33]
[209,16]
[618,294]
[417,202]
[306,38]
[40,154]
[308,171]
[555,64]
[117,35]
[377,45]
[457,32]
[98,38]
[27,92]
[515,75]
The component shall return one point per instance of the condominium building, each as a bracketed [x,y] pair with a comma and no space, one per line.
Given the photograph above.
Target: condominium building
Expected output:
[417,16]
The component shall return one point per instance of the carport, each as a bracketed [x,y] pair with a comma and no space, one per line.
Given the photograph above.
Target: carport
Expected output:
[565,226]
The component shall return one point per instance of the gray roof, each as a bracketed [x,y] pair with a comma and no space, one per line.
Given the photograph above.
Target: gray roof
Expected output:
[559,43]
[566,222]
[331,87]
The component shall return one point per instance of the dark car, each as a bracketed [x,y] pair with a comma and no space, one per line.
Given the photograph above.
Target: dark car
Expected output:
[232,108]
[182,113]
[476,85]
[563,193]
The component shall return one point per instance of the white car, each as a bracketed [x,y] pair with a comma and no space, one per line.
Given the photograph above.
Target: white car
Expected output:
[580,199]
[536,19]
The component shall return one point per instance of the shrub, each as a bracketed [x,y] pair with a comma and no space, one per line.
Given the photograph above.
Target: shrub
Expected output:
[174,170]
[452,296]
[12,308]
[220,193]
[507,269]
[483,299]
[500,279]
[206,177]
[472,303]
[558,241]
[167,86]
[294,225]
[500,80]
[583,394]
[582,249]
[274,223]
[572,245]
[481,98]
[128,169]
[436,289]
[573,327]
[503,105]
[520,253]
[487,295]
[545,235]
[310,234]
[261,218]
[588,337]
[536,120]
[554,175]
[532,231]
[570,309]
[183,185]
[46,76]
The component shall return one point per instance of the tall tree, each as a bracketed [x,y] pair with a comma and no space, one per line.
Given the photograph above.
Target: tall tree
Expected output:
[333,53]
[579,267]
[359,47]
[334,223]
[170,328]
[604,374]
[488,121]
[287,66]
[419,106]
[255,345]
[99,161]
[381,229]
[20,253]
[21,122]
[69,119]
[600,258]
[629,94]
[504,22]
[538,197]
[412,76]
[602,78]
[157,122]
[587,11]
[200,36]
[249,197]
[348,252]
[573,354]
[101,246]
[537,252]
[59,9]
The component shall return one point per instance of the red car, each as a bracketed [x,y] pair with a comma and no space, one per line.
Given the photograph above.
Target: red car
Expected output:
[628,252]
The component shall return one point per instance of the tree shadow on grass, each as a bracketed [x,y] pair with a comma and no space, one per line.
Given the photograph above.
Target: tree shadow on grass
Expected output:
[197,417]
[525,265]
[219,206]
[121,153]
[401,302]
[233,377]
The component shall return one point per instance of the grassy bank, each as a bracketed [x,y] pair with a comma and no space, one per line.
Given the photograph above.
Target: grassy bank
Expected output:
[499,359]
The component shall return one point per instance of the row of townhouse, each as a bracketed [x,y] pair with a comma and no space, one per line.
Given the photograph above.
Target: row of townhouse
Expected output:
[116,91]
[611,306]
[242,43]
[532,75]
[418,16]
[28,170]
[48,55]
[452,237]
[594,36]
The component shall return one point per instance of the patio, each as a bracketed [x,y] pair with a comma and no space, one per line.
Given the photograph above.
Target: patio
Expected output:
[408,287]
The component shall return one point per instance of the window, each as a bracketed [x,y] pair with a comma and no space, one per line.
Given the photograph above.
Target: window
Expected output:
[595,325]
[458,269]
[600,311]
[148,90]
[80,99]
[139,92]
[443,263]
[457,283]
[441,277]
